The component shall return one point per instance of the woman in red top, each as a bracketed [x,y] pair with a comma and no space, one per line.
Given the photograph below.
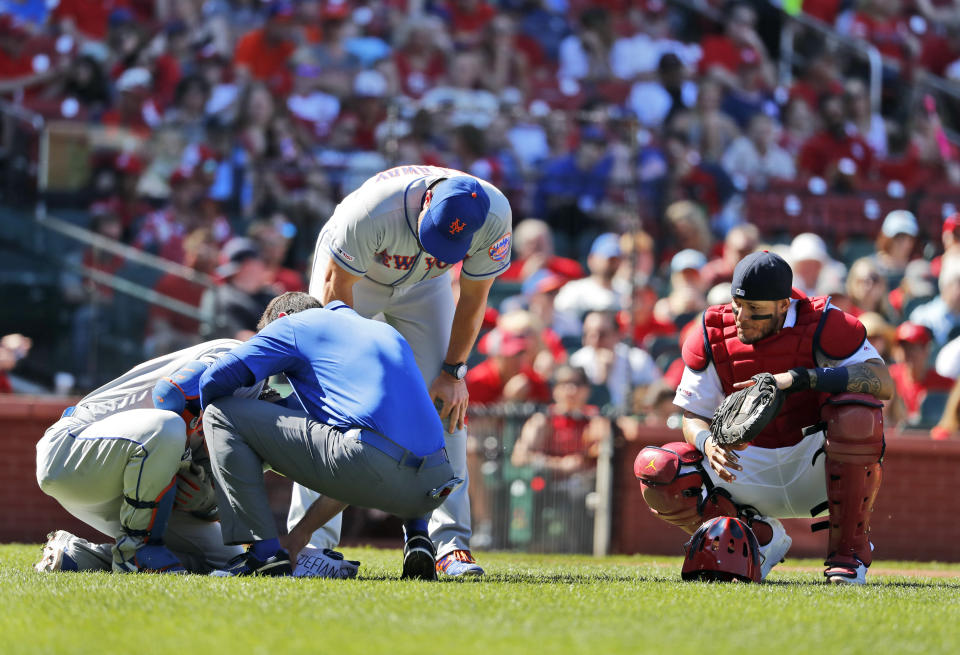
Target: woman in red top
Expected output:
[564,438]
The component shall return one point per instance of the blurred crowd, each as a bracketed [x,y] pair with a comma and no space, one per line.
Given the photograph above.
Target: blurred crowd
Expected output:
[626,134]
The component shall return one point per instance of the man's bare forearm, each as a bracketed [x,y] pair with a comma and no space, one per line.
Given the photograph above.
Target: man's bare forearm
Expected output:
[692,425]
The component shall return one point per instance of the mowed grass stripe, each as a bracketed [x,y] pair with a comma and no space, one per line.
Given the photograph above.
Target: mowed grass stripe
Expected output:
[526,604]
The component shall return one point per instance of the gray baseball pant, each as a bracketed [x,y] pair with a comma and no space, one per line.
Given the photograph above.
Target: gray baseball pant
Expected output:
[423,314]
[243,435]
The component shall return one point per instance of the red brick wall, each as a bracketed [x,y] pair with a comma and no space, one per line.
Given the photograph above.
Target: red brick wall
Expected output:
[915,517]
[26,513]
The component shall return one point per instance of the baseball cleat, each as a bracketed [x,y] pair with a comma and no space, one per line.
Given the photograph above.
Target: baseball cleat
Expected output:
[459,563]
[244,564]
[776,549]
[418,558]
[843,573]
[150,558]
[54,556]
[325,563]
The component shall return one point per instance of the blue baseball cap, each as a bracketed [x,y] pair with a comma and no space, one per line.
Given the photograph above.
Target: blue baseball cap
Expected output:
[181,390]
[458,208]
[606,245]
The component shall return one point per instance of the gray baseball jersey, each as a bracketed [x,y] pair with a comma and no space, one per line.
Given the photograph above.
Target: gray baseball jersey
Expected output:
[373,230]
[134,389]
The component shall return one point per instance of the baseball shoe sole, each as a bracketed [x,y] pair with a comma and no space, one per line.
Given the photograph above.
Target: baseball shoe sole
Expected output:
[418,559]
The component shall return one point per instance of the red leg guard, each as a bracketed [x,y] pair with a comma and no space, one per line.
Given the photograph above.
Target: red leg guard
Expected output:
[853,450]
[673,482]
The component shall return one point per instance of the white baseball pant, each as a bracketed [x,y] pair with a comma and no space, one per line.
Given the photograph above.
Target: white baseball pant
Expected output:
[88,467]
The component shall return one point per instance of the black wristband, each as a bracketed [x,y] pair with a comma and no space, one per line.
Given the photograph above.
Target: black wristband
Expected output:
[801,380]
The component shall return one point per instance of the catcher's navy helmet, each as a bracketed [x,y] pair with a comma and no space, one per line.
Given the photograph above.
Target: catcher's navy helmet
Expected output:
[723,549]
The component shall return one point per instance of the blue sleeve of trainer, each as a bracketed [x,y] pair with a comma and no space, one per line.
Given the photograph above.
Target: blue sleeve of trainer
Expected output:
[273,350]
[223,377]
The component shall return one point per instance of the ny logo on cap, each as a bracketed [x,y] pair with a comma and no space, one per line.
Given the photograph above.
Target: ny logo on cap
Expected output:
[740,292]
[456,226]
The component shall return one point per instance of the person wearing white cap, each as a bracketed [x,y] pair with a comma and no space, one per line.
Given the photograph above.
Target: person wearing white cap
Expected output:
[814,270]
[895,243]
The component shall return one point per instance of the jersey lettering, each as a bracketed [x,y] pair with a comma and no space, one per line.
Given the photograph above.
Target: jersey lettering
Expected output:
[416,170]
[433,261]
[403,262]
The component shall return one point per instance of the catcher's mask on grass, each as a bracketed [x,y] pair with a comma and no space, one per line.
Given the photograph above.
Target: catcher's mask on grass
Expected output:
[723,549]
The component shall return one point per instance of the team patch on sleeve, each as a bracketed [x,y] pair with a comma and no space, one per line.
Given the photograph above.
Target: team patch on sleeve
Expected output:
[343,253]
[501,248]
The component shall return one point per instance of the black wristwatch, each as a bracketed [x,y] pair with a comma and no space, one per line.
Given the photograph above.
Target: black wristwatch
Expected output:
[457,371]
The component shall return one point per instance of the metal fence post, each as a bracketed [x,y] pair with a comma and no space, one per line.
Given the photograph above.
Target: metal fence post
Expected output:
[604,496]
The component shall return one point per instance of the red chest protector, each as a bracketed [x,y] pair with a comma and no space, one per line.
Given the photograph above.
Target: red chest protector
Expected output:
[736,361]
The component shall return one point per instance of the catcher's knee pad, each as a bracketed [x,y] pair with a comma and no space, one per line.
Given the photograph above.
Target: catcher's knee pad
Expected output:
[853,449]
[675,486]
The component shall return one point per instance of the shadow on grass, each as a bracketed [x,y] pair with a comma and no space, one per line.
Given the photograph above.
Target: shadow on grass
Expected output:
[535,578]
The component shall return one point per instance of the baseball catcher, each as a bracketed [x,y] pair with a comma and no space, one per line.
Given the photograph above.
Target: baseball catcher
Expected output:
[781,397]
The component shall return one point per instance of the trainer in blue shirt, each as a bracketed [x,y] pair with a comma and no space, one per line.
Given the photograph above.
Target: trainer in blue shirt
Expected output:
[359,428]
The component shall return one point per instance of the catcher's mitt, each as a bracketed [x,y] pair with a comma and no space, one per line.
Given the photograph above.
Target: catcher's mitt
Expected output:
[744,413]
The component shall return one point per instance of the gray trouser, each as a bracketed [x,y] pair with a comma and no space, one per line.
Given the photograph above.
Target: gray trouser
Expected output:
[243,435]
[423,314]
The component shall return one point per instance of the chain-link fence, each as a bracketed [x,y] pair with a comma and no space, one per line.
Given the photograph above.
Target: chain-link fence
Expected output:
[534,478]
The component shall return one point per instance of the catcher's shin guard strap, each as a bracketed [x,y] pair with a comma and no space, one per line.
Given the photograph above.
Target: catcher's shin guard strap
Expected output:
[155,523]
[853,450]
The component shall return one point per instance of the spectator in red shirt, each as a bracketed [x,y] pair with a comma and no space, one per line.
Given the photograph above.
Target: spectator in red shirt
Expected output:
[507,375]
[834,152]
[262,54]
[563,439]
[867,289]
[134,109]
[881,22]
[13,348]
[168,330]
[91,18]
[418,60]
[468,19]
[21,66]
[274,246]
[724,54]
[533,251]
[820,77]
[912,373]
[740,241]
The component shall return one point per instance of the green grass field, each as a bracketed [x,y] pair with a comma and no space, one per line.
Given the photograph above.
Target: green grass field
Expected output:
[526,604]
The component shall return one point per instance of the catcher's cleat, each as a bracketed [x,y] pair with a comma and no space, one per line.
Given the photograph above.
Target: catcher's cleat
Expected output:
[326,563]
[54,556]
[459,563]
[775,550]
[244,564]
[150,558]
[418,558]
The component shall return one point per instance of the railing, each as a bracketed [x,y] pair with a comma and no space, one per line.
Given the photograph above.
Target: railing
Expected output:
[865,50]
[129,253]
[15,144]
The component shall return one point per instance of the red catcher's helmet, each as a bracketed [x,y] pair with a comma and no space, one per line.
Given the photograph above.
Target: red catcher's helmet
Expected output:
[723,549]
